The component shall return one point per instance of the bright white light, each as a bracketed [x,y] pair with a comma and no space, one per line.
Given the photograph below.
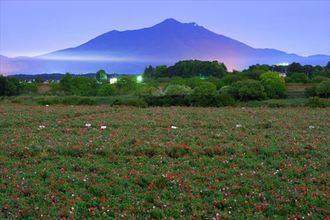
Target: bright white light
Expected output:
[139,78]
[283,64]
[113,80]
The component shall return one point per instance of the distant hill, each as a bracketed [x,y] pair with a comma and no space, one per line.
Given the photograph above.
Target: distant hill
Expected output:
[55,76]
[131,51]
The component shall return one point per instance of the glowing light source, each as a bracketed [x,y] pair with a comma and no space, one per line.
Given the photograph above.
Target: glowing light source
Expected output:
[113,80]
[283,64]
[139,79]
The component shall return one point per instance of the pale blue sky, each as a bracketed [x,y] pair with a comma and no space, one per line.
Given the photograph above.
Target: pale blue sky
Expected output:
[33,27]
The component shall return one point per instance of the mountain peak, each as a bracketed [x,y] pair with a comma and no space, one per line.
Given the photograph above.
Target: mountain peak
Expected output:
[170,21]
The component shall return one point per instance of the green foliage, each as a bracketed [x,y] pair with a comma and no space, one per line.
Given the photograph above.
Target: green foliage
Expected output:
[205,89]
[230,79]
[318,79]
[148,91]
[174,89]
[82,86]
[294,67]
[126,85]
[39,79]
[106,90]
[9,86]
[66,83]
[28,88]
[249,90]
[69,100]
[274,84]
[310,91]
[298,78]
[131,102]
[149,72]
[316,102]
[55,88]
[323,89]
[101,76]
[187,68]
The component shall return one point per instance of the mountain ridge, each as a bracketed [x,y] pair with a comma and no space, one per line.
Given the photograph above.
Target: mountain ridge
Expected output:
[167,42]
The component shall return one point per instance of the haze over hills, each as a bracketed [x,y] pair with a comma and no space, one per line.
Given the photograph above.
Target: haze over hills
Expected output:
[129,52]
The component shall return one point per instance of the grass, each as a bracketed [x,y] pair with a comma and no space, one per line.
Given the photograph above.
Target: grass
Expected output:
[239,162]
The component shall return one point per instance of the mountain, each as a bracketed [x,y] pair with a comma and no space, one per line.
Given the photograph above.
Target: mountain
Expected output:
[165,43]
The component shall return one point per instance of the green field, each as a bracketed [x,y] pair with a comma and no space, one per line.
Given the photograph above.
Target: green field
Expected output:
[174,162]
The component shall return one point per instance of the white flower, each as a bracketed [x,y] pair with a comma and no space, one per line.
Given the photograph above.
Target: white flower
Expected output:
[174,127]
[311,127]
[103,127]
[88,125]
[46,105]
[41,126]
[238,126]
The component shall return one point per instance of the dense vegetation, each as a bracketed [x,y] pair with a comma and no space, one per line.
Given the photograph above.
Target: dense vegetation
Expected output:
[190,83]
[251,163]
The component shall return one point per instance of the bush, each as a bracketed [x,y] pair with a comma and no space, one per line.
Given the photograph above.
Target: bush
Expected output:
[67,101]
[82,86]
[323,89]
[225,99]
[174,100]
[318,79]
[177,90]
[131,102]
[28,88]
[126,85]
[55,88]
[249,90]
[106,90]
[316,102]
[274,84]
[205,89]
[9,86]
[310,91]
[148,91]
[298,78]
[230,79]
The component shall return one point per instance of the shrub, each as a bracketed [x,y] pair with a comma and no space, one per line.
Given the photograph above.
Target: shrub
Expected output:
[274,84]
[323,89]
[318,79]
[177,90]
[126,85]
[55,88]
[249,90]
[310,91]
[82,86]
[106,90]
[9,86]
[175,100]
[148,91]
[225,99]
[298,78]
[205,89]
[131,102]
[28,87]
[316,102]
[230,79]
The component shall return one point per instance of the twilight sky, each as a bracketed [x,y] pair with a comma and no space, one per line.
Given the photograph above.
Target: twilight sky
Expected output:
[34,27]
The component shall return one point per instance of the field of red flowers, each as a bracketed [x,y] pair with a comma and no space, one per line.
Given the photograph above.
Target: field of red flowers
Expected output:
[78,162]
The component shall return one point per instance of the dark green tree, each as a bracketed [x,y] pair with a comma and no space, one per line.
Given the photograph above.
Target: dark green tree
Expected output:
[101,76]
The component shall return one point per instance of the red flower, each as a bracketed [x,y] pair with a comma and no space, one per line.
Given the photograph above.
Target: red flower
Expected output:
[6,206]
[103,200]
[151,185]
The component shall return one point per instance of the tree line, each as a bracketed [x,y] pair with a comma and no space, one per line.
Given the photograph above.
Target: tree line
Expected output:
[198,80]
